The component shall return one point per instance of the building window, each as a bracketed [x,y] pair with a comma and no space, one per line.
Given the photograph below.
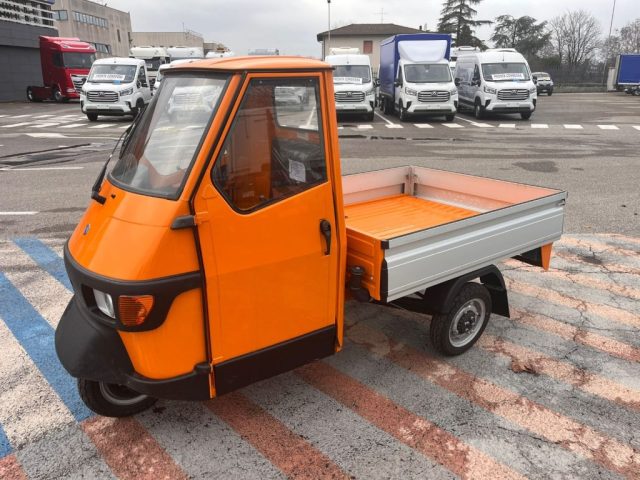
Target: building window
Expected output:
[60,15]
[367,46]
[89,19]
[119,40]
[101,47]
[27,12]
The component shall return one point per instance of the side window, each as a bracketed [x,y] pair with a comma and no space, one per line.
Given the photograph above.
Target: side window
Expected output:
[57,60]
[142,77]
[274,149]
[400,78]
[367,46]
[476,74]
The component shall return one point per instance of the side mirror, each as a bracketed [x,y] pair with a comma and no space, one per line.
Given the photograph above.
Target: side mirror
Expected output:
[397,83]
[476,82]
[457,81]
[376,82]
[535,80]
[138,84]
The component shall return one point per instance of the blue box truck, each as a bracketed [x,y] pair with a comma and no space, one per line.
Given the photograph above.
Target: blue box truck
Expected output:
[415,78]
[627,71]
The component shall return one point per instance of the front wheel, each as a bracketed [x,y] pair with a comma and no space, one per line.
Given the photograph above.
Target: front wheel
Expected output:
[455,332]
[30,95]
[450,118]
[371,116]
[478,112]
[111,400]
[93,117]
[57,95]
[550,92]
[526,116]
[402,113]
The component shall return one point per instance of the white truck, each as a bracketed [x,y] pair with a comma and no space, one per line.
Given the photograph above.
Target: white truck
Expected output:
[496,81]
[115,87]
[353,83]
[182,53]
[154,57]
[415,78]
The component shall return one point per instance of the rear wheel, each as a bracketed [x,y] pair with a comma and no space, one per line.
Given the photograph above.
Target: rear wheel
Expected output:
[456,331]
[526,116]
[112,400]
[93,117]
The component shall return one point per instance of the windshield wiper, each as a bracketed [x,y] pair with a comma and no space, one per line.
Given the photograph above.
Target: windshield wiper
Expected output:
[95,190]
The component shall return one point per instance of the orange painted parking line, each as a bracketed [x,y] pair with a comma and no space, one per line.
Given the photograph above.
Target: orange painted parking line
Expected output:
[549,295]
[579,278]
[10,469]
[412,430]
[569,332]
[130,451]
[289,452]
[604,267]
[599,246]
[562,371]
[569,434]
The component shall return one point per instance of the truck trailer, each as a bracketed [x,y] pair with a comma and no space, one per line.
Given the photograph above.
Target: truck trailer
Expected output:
[221,247]
[65,66]
[154,57]
[627,71]
[415,77]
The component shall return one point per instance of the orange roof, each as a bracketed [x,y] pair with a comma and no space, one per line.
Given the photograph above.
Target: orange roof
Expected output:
[278,62]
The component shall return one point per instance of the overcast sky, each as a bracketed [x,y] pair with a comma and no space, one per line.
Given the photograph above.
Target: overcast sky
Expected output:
[292,25]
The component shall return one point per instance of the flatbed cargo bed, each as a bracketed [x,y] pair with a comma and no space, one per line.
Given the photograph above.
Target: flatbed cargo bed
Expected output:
[411,228]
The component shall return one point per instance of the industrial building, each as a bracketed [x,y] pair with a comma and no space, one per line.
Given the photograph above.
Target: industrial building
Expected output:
[107,29]
[21,24]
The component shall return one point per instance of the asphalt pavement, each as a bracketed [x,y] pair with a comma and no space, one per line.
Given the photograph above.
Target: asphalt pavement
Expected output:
[552,392]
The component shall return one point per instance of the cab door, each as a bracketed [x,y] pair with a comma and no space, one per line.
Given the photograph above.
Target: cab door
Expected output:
[267,234]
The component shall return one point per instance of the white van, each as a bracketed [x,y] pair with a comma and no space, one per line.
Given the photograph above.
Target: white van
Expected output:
[496,81]
[115,86]
[353,84]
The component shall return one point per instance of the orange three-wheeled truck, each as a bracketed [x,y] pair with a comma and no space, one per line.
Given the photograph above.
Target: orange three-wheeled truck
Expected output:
[219,249]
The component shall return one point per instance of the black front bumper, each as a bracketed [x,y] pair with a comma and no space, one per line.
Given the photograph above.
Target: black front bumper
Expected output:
[93,351]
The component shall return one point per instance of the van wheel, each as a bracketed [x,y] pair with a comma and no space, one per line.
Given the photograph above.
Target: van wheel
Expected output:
[450,118]
[478,112]
[111,400]
[550,92]
[455,332]
[138,108]
[526,116]
[93,117]
[57,95]
[31,97]
[402,113]
[371,116]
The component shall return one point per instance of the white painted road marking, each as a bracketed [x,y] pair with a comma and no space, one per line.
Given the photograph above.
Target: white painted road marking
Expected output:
[476,124]
[44,125]
[74,125]
[423,125]
[14,125]
[46,135]
[104,125]
[21,116]
[452,125]
[384,119]
[507,125]
[573,127]
[18,213]
[44,116]
[38,169]
[539,125]
[637,127]
[365,127]
[608,127]
[394,125]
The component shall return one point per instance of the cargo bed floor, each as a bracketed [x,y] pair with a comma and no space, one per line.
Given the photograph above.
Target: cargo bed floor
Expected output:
[398,215]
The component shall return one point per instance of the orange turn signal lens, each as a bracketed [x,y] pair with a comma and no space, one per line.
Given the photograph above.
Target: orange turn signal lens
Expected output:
[134,309]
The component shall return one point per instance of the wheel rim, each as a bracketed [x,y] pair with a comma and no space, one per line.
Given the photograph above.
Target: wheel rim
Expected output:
[477,111]
[30,94]
[57,95]
[120,395]
[467,322]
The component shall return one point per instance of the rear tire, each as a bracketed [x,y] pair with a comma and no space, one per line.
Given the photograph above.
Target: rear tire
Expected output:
[93,117]
[458,330]
[526,116]
[112,400]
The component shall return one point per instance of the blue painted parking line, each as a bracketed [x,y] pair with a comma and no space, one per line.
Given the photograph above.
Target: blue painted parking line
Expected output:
[36,336]
[46,258]
[5,447]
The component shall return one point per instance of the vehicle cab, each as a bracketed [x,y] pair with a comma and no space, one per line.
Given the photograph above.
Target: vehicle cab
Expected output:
[353,83]
[115,86]
[154,57]
[496,81]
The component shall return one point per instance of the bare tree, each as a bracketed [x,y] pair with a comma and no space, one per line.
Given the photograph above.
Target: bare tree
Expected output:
[576,36]
[630,37]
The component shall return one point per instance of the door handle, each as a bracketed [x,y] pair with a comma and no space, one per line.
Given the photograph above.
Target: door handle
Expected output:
[325,230]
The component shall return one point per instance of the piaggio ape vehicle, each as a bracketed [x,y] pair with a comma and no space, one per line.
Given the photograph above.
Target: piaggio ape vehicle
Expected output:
[220,248]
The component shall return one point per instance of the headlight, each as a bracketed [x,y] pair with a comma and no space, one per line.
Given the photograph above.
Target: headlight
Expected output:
[411,92]
[128,91]
[105,303]
[490,90]
[533,89]
[370,92]
[453,91]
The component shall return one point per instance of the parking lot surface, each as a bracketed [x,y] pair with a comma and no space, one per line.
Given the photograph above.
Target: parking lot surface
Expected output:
[552,392]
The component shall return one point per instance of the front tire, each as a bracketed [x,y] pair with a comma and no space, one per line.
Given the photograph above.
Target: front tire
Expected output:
[526,116]
[450,118]
[371,116]
[93,117]
[57,95]
[402,114]
[478,111]
[111,400]
[550,92]
[30,96]
[458,330]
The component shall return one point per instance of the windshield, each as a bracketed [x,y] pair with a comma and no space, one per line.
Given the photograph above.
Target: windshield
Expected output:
[162,148]
[427,73]
[112,73]
[78,60]
[505,72]
[154,63]
[352,74]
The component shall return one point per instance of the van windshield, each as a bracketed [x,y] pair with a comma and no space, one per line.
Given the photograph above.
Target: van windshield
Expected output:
[157,157]
[112,73]
[78,60]
[424,73]
[352,74]
[505,72]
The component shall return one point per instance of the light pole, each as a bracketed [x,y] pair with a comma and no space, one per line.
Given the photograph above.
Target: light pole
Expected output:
[606,60]
[329,28]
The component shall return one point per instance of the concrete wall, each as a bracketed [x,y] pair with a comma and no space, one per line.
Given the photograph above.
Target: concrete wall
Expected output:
[166,39]
[356,42]
[20,59]
[117,34]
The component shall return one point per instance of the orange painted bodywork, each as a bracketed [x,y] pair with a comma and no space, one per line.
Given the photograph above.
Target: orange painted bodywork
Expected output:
[369,223]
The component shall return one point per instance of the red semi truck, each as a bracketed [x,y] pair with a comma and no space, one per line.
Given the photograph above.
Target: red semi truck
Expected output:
[65,66]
